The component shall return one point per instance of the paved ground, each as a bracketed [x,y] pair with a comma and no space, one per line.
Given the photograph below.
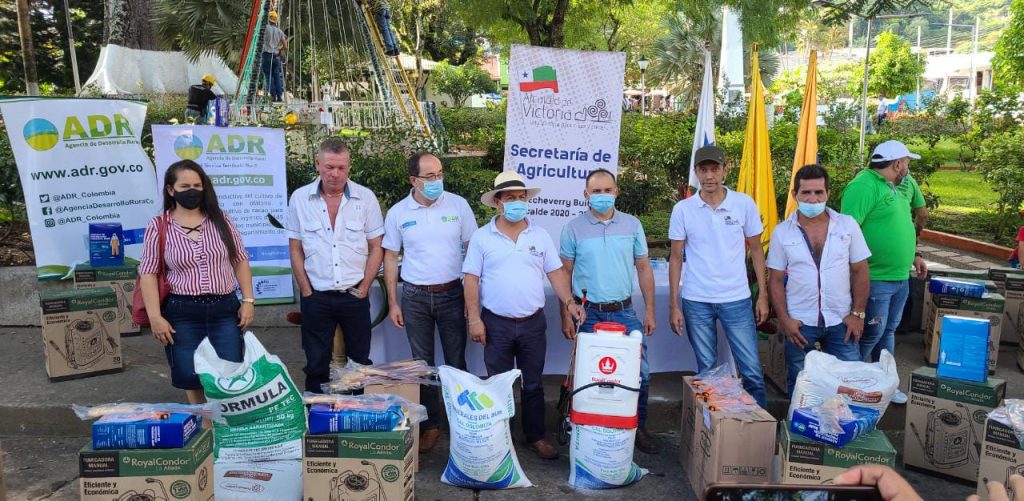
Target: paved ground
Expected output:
[40,437]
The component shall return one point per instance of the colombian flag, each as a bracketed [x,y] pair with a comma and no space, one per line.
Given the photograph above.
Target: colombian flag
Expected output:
[756,164]
[807,134]
[544,77]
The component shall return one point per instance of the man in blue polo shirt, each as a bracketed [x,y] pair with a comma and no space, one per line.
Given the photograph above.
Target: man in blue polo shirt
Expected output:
[603,249]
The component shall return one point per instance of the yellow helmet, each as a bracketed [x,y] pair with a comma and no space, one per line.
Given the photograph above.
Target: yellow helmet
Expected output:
[273,16]
[209,78]
[291,118]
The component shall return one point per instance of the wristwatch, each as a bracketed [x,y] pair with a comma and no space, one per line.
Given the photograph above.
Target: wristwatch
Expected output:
[249,300]
[570,302]
[858,314]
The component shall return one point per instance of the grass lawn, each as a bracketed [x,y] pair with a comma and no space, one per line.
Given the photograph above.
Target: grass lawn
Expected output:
[965,207]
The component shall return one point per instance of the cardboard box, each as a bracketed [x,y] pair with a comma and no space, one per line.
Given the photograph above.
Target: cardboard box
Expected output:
[989,308]
[122,280]
[171,474]
[106,244]
[1010,283]
[80,333]
[1001,455]
[945,419]
[687,427]
[358,466]
[804,461]
[244,481]
[729,448]
[168,431]
[410,392]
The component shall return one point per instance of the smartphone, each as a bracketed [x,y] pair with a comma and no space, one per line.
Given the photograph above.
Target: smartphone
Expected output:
[768,492]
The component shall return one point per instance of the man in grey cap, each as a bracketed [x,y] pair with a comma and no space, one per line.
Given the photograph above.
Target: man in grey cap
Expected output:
[874,200]
[715,227]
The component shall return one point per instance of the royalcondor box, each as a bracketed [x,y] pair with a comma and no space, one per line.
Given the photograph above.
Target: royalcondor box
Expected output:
[358,466]
[122,280]
[805,461]
[80,333]
[159,474]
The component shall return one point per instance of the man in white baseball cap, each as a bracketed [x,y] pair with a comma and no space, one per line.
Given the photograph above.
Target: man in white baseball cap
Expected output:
[874,199]
[504,268]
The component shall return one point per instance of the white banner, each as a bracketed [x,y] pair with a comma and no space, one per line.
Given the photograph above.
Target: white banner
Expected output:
[80,161]
[246,165]
[563,120]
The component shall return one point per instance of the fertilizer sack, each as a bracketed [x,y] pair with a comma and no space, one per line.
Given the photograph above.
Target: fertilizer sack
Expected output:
[865,384]
[602,458]
[259,414]
[481,455]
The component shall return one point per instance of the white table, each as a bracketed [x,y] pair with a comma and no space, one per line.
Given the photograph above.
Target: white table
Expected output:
[666,352]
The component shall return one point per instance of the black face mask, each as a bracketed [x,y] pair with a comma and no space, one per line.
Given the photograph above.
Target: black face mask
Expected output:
[188,199]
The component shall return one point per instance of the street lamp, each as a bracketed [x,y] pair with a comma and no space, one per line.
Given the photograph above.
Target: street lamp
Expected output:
[642,64]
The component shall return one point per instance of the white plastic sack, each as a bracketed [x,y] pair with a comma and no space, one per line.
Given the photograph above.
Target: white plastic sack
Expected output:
[481,455]
[277,480]
[602,458]
[866,384]
[259,415]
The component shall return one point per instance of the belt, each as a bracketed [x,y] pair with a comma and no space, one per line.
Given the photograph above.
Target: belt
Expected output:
[436,288]
[203,298]
[608,307]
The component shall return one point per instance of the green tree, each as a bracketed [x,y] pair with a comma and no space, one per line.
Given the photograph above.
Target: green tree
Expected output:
[1009,59]
[460,82]
[196,27]
[894,70]
[50,38]
[547,23]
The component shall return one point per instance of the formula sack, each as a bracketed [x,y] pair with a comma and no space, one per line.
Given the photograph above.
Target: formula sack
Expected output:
[259,415]
[866,384]
[602,458]
[481,455]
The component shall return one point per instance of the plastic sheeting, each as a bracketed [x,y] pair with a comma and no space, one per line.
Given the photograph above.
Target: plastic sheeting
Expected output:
[122,71]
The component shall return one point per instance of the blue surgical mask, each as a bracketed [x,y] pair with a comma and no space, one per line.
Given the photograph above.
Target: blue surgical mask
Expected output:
[433,189]
[515,211]
[810,210]
[602,202]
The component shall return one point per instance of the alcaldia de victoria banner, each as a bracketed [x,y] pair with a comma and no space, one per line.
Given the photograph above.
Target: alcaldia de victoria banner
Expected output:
[563,120]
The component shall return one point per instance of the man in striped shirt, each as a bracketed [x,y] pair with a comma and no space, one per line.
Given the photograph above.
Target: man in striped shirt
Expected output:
[335,228]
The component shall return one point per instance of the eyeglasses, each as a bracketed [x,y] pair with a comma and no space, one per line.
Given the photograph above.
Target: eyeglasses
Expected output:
[432,177]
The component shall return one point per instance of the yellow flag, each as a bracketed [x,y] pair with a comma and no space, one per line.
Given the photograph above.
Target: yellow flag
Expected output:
[756,164]
[807,134]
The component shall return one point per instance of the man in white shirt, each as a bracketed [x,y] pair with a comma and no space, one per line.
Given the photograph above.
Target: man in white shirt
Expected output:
[433,227]
[818,275]
[335,229]
[715,227]
[505,266]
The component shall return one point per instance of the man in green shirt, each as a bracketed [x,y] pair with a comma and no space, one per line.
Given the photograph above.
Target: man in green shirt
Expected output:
[874,198]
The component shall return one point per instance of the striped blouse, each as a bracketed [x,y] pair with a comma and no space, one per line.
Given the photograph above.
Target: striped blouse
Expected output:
[194,267]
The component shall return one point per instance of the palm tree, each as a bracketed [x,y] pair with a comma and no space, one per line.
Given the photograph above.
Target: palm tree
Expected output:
[678,62]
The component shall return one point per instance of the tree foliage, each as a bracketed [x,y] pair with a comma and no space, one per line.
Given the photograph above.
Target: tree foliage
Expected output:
[460,82]
[50,38]
[196,27]
[894,70]
[1009,59]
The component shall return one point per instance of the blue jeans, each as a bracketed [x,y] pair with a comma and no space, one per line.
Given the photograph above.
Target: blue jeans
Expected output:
[272,77]
[831,339]
[737,319]
[628,318]
[322,313]
[882,316]
[422,311]
[383,19]
[195,318]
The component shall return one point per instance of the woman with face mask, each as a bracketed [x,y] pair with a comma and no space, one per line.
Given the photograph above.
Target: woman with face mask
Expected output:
[203,260]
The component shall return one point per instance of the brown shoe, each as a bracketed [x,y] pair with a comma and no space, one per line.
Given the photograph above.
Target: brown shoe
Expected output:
[645,442]
[544,449]
[428,439]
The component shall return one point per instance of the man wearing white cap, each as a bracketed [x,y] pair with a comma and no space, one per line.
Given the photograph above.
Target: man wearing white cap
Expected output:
[505,266]
[874,200]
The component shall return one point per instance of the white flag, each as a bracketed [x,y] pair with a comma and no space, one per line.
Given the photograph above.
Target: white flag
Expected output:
[705,130]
